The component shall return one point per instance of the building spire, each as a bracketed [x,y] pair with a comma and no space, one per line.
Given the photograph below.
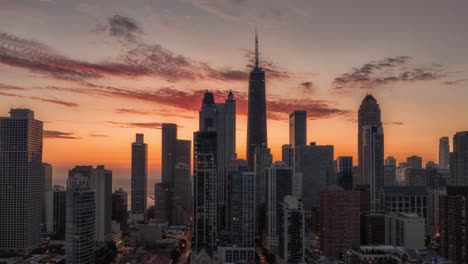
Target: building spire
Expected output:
[256,48]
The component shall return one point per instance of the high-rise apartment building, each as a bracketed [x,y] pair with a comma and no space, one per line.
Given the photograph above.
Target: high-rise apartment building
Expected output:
[444,153]
[139,175]
[80,231]
[119,208]
[280,183]
[373,162]
[21,186]
[292,236]
[56,212]
[182,196]
[168,153]
[459,160]
[298,128]
[256,120]
[339,220]
[316,163]
[287,155]
[344,169]
[98,179]
[368,114]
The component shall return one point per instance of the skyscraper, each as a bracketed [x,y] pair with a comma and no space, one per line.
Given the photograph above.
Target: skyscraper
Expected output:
[46,177]
[280,183]
[257,122]
[373,162]
[56,212]
[368,114]
[315,162]
[183,152]
[242,209]
[444,152]
[344,166]
[298,128]
[80,228]
[182,194]
[21,192]
[119,208]
[287,155]
[292,238]
[459,160]
[340,220]
[139,175]
[99,180]
[168,153]
[263,160]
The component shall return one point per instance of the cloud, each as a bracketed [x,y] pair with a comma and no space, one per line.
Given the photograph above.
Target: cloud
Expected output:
[307,87]
[121,26]
[455,82]
[387,71]
[278,108]
[59,134]
[150,125]
[272,70]
[98,135]
[10,87]
[398,123]
[47,100]
[159,112]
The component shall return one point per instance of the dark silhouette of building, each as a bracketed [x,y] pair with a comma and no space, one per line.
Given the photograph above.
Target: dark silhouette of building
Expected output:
[46,177]
[298,128]
[444,153]
[291,239]
[369,114]
[344,168]
[405,199]
[21,192]
[340,220]
[263,160]
[257,122]
[56,212]
[315,162]
[453,212]
[459,160]
[168,153]
[373,162]
[119,208]
[139,175]
[414,162]
[372,228]
[183,151]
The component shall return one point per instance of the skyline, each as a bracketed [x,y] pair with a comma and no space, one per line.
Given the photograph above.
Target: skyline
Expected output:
[67,83]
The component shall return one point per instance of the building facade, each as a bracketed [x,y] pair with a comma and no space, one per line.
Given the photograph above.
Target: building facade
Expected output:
[298,128]
[344,168]
[444,153]
[168,152]
[21,192]
[56,212]
[405,199]
[459,160]
[405,230]
[139,175]
[373,162]
[292,237]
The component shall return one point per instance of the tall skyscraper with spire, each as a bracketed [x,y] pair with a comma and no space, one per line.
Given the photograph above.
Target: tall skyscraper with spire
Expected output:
[257,122]
[369,114]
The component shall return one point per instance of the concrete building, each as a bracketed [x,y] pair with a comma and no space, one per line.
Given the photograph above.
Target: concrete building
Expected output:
[368,114]
[444,153]
[280,184]
[373,162]
[344,167]
[119,208]
[262,160]
[139,176]
[98,179]
[56,212]
[80,234]
[414,162]
[405,230]
[339,220]
[298,128]
[459,160]
[168,152]
[292,236]
[452,214]
[316,163]
[46,177]
[287,155]
[21,192]
[405,199]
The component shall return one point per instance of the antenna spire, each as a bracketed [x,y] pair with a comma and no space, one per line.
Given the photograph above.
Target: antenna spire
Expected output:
[256,48]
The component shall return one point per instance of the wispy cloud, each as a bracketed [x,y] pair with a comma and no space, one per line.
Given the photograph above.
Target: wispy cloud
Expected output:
[47,100]
[159,112]
[59,134]
[389,70]
[398,123]
[98,135]
[150,125]
[456,82]
[307,87]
